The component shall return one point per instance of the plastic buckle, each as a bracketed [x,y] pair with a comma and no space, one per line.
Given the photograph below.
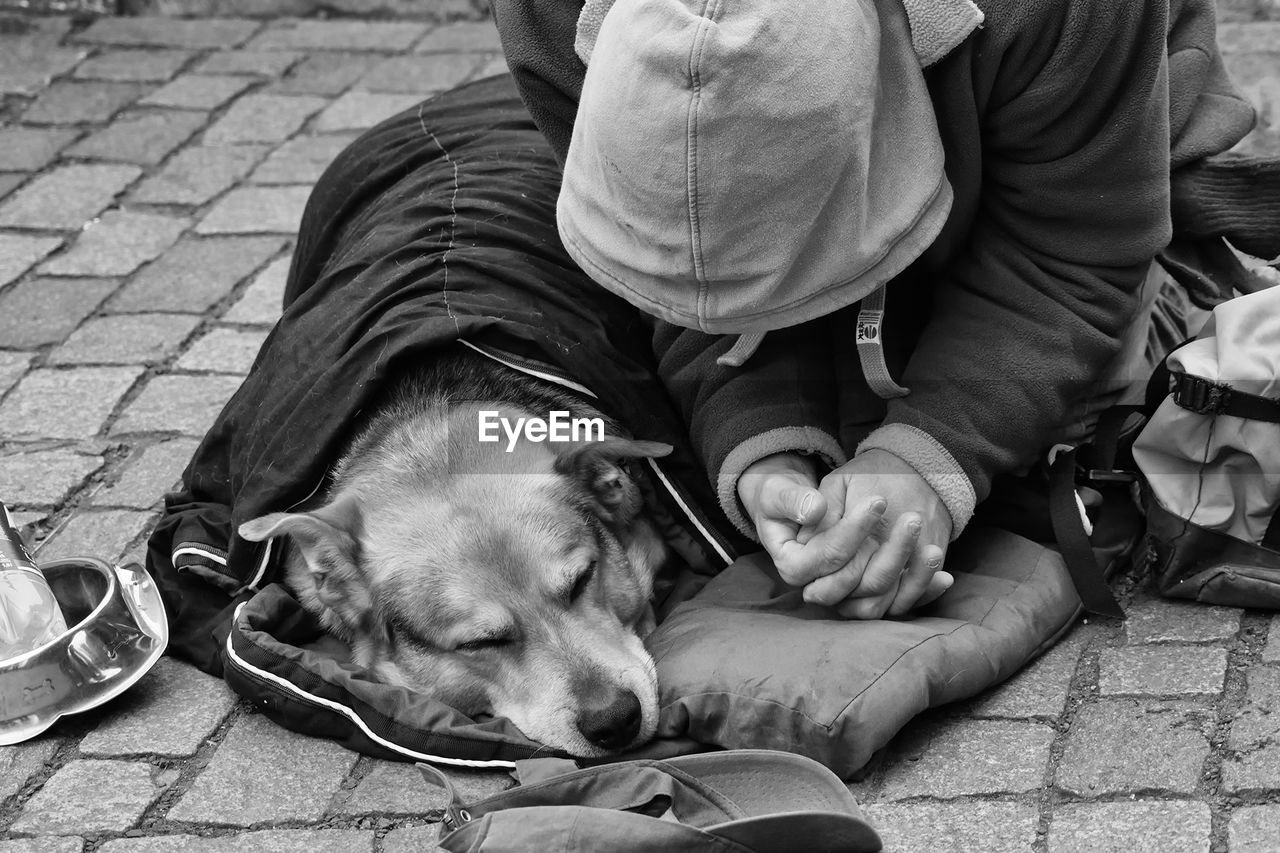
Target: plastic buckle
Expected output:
[1109,476]
[1201,396]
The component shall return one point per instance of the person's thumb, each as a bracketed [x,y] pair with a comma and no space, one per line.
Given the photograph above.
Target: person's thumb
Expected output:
[803,505]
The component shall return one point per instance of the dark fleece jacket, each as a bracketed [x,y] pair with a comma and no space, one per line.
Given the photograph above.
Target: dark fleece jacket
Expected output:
[1061,120]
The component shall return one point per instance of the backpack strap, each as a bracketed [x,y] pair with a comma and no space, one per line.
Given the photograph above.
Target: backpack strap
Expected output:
[1205,397]
[1082,565]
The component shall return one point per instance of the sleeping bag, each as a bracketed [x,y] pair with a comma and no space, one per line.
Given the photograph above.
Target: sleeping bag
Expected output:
[437,229]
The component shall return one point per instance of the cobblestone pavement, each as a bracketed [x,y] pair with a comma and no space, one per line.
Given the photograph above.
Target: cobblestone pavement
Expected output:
[152,172]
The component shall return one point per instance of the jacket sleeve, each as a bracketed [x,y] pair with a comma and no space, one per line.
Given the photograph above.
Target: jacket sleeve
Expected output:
[537,38]
[1074,207]
[782,399]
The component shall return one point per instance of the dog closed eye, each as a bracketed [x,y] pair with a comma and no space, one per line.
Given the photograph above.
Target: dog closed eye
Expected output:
[484,644]
[581,583]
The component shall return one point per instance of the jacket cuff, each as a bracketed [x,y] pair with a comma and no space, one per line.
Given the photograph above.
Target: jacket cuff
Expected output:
[934,463]
[809,441]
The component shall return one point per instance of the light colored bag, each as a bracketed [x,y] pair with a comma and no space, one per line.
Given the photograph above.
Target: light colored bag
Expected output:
[1210,461]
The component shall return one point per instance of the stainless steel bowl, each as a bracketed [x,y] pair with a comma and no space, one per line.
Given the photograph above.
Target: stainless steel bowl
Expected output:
[118,632]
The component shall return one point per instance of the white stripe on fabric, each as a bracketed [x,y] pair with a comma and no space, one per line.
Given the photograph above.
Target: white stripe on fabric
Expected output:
[706,534]
[350,714]
[199,552]
[558,380]
[262,566]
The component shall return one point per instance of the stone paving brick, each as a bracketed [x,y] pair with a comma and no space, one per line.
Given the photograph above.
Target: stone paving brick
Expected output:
[182,404]
[170,32]
[345,34]
[80,102]
[1254,829]
[223,351]
[411,839]
[1254,37]
[1255,770]
[18,763]
[257,210]
[361,110]
[64,403]
[142,138]
[305,773]
[67,197]
[326,74]
[1120,746]
[974,827]
[12,366]
[195,175]
[1271,652]
[1136,827]
[148,474]
[140,66]
[88,796]
[260,304]
[32,148]
[44,311]
[1257,722]
[301,160]
[117,244]
[30,56]
[126,339]
[195,274]
[104,535]
[960,757]
[1152,620]
[1255,735]
[260,63]
[263,118]
[479,36]
[420,75]
[393,788]
[18,253]
[1041,689]
[42,845]
[44,476]
[197,92]
[1162,671]
[264,841]
[169,712]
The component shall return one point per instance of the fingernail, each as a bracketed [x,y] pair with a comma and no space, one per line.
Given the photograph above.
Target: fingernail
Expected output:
[879,505]
[805,505]
[934,564]
[914,526]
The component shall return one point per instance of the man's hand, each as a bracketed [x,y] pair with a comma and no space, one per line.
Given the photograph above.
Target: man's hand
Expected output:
[780,494]
[896,565]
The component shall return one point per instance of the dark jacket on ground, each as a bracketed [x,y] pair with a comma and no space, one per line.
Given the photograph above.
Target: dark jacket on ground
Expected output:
[435,226]
[1061,121]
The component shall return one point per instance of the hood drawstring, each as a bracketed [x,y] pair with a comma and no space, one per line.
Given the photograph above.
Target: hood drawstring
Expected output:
[869,342]
[871,347]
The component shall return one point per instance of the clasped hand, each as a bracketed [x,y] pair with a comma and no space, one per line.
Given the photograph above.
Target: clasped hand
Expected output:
[869,539]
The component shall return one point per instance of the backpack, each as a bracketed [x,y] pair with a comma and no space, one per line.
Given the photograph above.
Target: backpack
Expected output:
[1209,460]
[732,801]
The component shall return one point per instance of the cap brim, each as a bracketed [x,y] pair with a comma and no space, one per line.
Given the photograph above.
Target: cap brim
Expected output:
[775,790]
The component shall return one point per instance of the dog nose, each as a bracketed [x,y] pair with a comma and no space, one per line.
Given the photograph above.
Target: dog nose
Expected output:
[612,722]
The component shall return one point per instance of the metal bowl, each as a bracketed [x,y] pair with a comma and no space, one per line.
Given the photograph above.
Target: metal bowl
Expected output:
[118,632]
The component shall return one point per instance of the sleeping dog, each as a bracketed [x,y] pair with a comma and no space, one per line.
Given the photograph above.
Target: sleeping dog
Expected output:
[509,578]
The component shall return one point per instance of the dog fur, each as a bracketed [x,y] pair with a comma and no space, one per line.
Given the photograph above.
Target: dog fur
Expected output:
[508,583]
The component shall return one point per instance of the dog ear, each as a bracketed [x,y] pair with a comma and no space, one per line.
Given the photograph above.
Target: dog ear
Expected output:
[327,541]
[596,465]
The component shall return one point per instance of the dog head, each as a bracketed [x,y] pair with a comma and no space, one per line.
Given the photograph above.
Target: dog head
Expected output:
[512,583]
